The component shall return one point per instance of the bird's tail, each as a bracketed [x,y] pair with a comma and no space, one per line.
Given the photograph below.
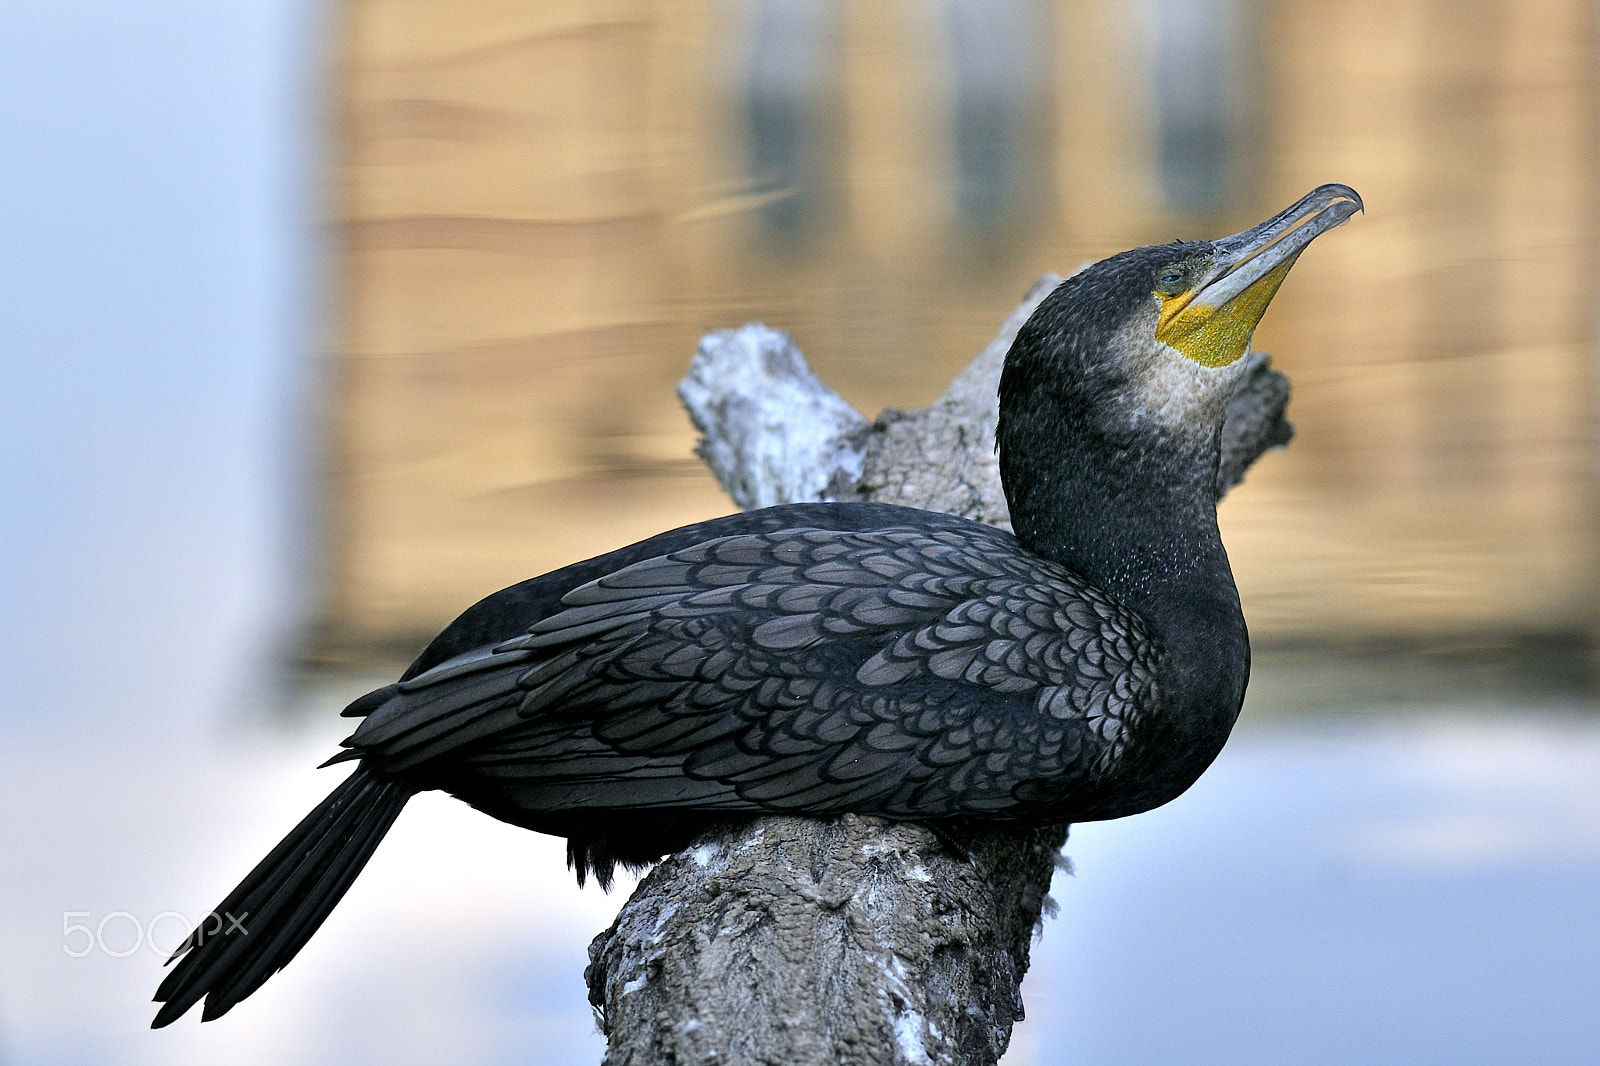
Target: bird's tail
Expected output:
[262,924]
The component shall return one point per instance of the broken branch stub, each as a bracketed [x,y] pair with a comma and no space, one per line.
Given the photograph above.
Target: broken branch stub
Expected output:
[772,432]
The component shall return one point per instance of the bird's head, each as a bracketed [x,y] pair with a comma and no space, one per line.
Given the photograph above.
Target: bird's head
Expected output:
[1118,385]
[1208,297]
[1151,339]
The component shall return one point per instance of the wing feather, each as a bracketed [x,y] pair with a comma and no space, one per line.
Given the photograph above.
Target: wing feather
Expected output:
[912,671]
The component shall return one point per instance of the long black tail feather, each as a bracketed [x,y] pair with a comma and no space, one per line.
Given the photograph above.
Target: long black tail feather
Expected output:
[268,918]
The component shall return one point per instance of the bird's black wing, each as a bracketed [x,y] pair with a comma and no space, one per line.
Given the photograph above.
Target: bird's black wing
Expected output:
[906,671]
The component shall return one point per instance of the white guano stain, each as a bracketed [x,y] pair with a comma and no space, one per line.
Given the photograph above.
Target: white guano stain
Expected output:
[909,1024]
[908,1037]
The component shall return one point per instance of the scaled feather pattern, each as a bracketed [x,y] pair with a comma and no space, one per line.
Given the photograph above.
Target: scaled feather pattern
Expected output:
[789,670]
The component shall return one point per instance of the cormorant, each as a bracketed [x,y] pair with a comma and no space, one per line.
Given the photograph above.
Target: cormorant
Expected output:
[823,658]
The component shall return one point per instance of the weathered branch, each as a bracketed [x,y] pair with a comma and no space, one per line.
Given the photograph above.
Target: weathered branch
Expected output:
[854,941]
[795,940]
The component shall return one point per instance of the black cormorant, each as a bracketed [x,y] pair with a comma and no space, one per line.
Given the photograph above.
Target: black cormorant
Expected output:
[823,658]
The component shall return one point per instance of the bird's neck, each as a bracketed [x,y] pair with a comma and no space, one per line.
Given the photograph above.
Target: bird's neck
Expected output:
[1136,517]
[1141,525]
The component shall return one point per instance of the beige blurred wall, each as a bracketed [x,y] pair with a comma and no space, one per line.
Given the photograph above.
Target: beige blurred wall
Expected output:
[542,205]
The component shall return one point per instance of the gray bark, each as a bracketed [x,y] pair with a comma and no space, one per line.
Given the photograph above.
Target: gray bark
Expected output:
[854,940]
[800,941]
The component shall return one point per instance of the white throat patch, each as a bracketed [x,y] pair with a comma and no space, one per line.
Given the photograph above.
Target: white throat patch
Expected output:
[1168,388]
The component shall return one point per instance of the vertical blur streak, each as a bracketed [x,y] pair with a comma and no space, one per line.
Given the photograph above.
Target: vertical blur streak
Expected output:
[998,69]
[157,241]
[787,75]
[1198,63]
[154,296]
[1461,289]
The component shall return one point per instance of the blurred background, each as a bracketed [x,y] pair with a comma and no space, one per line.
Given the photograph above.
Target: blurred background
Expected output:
[320,321]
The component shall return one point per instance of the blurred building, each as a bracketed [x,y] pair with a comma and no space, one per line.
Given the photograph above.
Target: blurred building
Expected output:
[543,204]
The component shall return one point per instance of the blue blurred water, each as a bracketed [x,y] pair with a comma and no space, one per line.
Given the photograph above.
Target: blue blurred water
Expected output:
[1399,889]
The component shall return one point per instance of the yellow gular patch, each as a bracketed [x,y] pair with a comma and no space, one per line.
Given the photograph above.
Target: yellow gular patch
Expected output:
[1216,336]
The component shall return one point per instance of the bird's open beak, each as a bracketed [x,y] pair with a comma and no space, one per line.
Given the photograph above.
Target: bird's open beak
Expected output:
[1212,323]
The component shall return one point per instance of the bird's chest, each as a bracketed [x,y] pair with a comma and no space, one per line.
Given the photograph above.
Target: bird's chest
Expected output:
[1164,749]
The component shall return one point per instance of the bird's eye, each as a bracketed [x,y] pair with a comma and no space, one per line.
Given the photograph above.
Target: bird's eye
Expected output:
[1169,280]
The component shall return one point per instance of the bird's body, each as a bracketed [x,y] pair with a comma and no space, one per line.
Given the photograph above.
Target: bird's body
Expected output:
[809,659]
[827,658]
